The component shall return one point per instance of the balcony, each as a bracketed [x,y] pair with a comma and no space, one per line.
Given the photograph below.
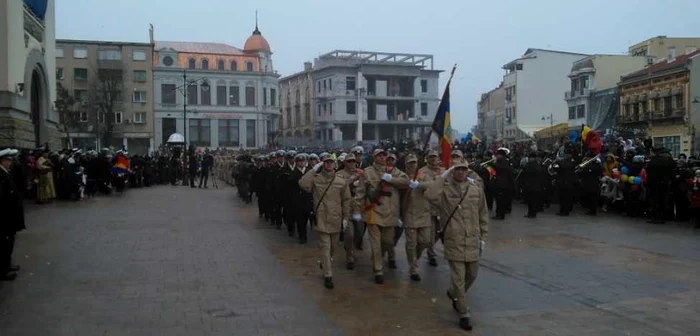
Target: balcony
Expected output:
[33,26]
[675,114]
[631,118]
[567,95]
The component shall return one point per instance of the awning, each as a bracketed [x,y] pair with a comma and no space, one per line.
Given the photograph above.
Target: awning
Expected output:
[557,130]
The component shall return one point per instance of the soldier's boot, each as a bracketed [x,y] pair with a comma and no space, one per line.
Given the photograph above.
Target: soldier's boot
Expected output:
[328,282]
[379,279]
[465,324]
[392,264]
[432,261]
[350,265]
[415,277]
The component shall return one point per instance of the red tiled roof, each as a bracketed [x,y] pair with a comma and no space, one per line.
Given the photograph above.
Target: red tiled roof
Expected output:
[662,66]
[199,47]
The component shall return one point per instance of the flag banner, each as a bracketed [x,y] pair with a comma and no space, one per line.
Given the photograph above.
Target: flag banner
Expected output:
[442,128]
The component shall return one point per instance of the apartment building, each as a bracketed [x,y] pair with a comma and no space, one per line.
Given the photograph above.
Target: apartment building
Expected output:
[216,95]
[392,95]
[112,84]
[298,108]
[491,113]
[662,47]
[27,82]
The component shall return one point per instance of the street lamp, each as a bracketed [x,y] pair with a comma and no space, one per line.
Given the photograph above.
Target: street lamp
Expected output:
[183,90]
[550,117]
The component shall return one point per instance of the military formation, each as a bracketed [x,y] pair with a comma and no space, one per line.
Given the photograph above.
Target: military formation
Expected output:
[346,196]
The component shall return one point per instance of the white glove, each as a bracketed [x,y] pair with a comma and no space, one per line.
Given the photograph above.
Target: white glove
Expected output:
[345,224]
[356,183]
[447,172]
[482,246]
[400,222]
[318,165]
[386,177]
[413,184]
[356,217]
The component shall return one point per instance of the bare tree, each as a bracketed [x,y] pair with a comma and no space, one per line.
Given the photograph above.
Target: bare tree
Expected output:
[68,116]
[105,98]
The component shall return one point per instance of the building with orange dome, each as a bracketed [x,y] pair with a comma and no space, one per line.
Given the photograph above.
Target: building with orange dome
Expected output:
[216,95]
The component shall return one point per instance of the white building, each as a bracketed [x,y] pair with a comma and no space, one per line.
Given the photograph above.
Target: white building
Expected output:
[534,84]
[229,95]
[27,74]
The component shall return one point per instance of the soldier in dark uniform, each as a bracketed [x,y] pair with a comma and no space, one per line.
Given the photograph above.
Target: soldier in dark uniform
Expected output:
[533,175]
[504,184]
[566,183]
[192,165]
[288,187]
[680,189]
[273,187]
[301,205]
[257,185]
[659,171]
[590,184]
[12,212]
[207,162]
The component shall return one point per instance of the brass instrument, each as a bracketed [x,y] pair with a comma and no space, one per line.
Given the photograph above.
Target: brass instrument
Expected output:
[552,168]
[585,163]
[483,164]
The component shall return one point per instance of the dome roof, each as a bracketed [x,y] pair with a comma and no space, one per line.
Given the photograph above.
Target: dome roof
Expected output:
[256,42]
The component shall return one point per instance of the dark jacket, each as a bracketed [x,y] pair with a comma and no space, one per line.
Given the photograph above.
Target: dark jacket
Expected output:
[504,175]
[566,174]
[533,176]
[11,206]
[590,177]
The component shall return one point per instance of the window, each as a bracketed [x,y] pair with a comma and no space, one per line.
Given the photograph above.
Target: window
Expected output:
[80,96]
[192,94]
[580,111]
[656,105]
[200,132]
[80,74]
[167,61]
[679,101]
[584,83]
[140,76]
[264,96]
[273,97]
[572,112]
[205,64]
[330,108]
[318,86]
[118,117]
[83,116]
[318,110]
[250,133]
[234,66]
[221,95]
[574,87]
[424,109]
[307,113]
[324,85]
[80,52]
[672,143]
[59,52]
[325,109]
[138,55]
[350,107]
[233,96]
[167,94]
[671,53]
[59,73]
[110,55]
[139,96]
[220,65]
[139,117]
[249,66]
[350,83]
[424,85]
[330,84]
[228,133]
[249,96]
[205,94]
[191,63]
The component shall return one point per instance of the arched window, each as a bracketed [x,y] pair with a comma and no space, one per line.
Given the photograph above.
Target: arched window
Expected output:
[191,63]
[205,64]
[220,65]
[249,66]
[234,66]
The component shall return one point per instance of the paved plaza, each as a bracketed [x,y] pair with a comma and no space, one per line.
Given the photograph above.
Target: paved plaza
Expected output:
[180,261]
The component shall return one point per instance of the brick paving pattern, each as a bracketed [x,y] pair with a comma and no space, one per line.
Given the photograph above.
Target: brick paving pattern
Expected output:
[179,261]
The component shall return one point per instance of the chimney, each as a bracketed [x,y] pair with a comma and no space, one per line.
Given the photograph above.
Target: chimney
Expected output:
[308,66]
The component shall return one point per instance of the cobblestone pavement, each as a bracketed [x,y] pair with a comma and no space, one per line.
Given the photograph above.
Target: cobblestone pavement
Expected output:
[177,261]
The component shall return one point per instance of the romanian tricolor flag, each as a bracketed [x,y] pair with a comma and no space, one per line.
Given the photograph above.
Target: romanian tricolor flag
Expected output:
[441,127]
[591,139]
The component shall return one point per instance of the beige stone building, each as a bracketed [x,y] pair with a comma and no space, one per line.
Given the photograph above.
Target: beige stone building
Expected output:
[112,83]
[297,107]
[491,109]
[657,102]
[662,47]
[27,82]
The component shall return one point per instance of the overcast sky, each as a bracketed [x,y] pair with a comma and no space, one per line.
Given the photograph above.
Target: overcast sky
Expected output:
[480,36]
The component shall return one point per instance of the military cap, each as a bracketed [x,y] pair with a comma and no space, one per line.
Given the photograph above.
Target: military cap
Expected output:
[503,151]
[460,164]
[290,154]
[313,156]
[457,152]
[300,157]
[350,157]
[280,153]
[391,156]
[8,153]
[432,152]
[357,149]
[326,157]
[411,158]
[377,152]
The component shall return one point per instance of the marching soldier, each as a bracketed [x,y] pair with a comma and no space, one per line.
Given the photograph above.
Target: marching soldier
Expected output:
[464,224]
[377,198]
[566,183]
[273,188]
[533,176]
[288,186]
[332,207]
[258,185]
[430,172]
[504,184]
[12,212]
[590,184]
[417,218]
[355,229]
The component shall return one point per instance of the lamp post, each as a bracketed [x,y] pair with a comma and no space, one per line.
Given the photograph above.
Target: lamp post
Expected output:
[183,90]
[550,117]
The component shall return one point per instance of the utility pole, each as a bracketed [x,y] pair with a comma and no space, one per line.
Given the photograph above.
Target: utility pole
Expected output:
[358,86]
[184,105]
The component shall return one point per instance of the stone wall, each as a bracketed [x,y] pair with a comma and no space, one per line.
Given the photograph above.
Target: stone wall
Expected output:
[17,133]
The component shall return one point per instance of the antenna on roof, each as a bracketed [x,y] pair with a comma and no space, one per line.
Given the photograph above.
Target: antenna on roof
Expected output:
[256,19]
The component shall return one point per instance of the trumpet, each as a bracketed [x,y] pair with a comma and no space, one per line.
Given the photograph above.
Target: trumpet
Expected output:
[483,164]
[585,163]
[552,168]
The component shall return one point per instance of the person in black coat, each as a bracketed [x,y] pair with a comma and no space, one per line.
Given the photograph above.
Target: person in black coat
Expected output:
[192,165]
[565,183]
[207,162]
[533,177]
[257,186]
[659,173]
[12,211]
[590,184]
[301,205]
[287,187]
[504,184]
